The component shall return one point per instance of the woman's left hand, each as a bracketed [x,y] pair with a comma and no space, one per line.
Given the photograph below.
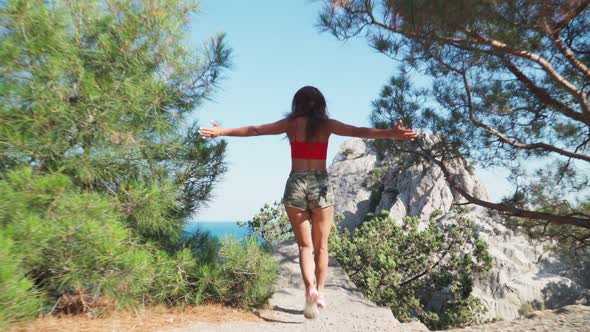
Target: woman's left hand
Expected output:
[403,134]
[211,132]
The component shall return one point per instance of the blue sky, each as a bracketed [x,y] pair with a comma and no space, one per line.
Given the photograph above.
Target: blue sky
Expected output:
[277,50]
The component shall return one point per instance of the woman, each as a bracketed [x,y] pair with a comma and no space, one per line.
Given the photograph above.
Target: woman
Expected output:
[308,196]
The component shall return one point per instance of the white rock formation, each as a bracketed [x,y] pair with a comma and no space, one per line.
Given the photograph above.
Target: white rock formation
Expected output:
[418,190]
[348,175]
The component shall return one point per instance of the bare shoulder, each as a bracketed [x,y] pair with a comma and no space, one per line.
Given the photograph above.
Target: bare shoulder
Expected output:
[333,124]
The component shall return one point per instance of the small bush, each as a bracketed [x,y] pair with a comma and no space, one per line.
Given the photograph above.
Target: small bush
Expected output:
[525,308]
[76,248]
[402,267]
[147,208]
[271,224]
[245,276]
[73,245]
[347,152]
[211,283]
[19,300]
[174,278]
[202,244]
[74,252]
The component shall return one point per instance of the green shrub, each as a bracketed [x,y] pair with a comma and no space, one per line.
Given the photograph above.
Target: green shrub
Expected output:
[147,207]
[73,244]
[347,152]
[245,275]
[77,249]
[18,298]
[232,272]
[174,278]
[402,267]
[271,224]
[525,308]
[211,284]
[375,183]
[202,244]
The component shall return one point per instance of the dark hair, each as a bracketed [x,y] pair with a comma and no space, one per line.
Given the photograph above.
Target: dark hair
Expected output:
[309,102]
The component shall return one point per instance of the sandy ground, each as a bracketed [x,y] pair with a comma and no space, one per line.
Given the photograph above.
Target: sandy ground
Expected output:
[571,318]
[150,318]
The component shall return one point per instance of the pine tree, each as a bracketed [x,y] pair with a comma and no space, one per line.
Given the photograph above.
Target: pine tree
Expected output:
[103,91]
[510,82]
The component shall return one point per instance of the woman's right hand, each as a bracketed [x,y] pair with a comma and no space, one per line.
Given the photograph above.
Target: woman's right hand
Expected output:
[403,134]
[211,132]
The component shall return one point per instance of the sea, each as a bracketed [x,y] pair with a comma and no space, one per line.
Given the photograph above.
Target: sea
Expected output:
[218,229]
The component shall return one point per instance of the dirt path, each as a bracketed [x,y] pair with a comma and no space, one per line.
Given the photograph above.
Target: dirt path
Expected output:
[347,309]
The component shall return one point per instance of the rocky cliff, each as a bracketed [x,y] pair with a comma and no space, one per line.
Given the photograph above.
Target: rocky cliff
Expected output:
[364,183]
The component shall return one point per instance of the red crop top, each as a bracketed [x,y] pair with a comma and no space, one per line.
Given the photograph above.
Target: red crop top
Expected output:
[308,150]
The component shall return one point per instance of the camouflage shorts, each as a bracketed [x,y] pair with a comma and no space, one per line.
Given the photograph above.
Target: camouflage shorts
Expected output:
[308,190]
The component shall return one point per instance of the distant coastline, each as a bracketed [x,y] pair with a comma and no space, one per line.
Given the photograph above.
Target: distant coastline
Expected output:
[218,229]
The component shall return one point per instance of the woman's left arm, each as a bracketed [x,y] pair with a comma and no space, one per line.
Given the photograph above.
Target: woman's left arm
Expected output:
[274,128]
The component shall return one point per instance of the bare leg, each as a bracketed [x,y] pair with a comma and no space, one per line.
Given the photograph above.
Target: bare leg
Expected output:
[300,223]
[322,220]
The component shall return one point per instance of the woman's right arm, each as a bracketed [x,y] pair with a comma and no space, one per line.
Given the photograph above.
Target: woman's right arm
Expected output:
[398,132]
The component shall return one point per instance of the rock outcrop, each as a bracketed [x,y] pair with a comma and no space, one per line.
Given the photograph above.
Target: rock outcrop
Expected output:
[365,184]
